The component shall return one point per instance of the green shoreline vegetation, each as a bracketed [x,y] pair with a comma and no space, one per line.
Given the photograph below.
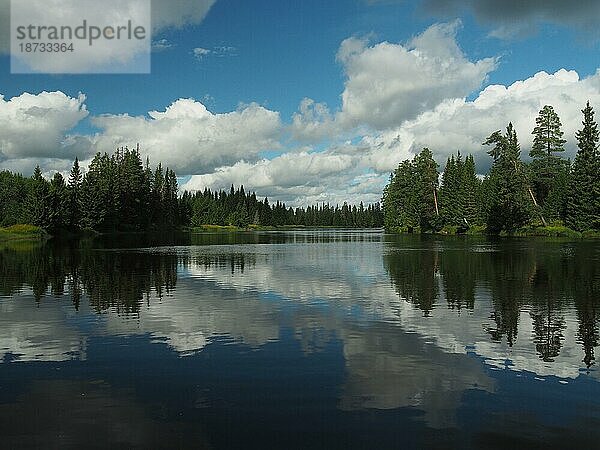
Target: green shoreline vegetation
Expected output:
[21,232]
[549,196]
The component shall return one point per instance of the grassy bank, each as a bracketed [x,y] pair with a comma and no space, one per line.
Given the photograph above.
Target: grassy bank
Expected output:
[553,230]
[22,232]
[556,231]
[251,227]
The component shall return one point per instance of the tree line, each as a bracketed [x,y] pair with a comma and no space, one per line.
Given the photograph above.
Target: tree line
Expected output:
[121,193]
[549,190]
[241,209]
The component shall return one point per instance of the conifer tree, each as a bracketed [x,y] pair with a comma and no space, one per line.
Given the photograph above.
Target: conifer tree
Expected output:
[452,192]
[37,199]
[548,135]
[548,171]
[58,202]
[400,202]
[74,194]
[470,193]
[509,207]
[427,177]
[583,207]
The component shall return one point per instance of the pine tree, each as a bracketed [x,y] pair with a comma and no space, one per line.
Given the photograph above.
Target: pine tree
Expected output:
[583,207]
[548,135]
[547,170]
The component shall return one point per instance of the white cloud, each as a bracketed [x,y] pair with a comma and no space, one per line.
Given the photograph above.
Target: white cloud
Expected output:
[390,83]
[161,45]
[189,138]
[458,124]
[387,84]
[200,52]
[312,122]
[301,178]
[220,51]
[359,171]
[36,126]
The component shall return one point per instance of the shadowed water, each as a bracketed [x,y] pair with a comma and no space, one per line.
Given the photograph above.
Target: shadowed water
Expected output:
[300,339]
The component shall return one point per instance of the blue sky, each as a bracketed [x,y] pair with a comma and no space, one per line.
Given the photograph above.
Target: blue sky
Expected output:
[273,54]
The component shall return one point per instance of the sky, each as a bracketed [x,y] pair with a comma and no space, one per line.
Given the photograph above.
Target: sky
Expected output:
[311,101]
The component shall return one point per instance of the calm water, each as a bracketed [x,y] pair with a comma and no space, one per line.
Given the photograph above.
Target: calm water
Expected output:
[300,340]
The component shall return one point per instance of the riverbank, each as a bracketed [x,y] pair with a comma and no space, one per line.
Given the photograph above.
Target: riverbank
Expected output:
[555,230]
[252,227]
[22,232]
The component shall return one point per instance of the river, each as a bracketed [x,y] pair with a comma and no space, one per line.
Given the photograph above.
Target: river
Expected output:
[300,339]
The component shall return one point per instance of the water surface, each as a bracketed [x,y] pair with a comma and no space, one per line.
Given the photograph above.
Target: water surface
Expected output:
[299,339]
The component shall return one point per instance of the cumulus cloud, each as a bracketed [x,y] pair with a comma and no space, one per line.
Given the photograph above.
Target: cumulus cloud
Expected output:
[515,17]
[312,122]
[458,124]
[359,170]
[37,126]
[390,83]
[189,138]
[299,178]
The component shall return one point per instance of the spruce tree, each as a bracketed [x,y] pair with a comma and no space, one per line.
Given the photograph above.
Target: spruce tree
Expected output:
[583,207]
[509,206]
[58,203]
[400,200]
[74,194]
[470,193]
[449,192]
[37,199]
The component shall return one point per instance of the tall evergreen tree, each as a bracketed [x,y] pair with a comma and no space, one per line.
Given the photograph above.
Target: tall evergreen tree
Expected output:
[74,194]
[37,198]
[400,202]
[547,170]
[427,190]
[470,193]
[547,134]
[58,204]
[509,206]
[583,207]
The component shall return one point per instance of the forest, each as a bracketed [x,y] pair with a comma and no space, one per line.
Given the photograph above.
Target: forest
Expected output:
[549,193]
[121,193]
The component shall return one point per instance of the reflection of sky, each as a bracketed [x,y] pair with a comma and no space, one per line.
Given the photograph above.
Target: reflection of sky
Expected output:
[332,302]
